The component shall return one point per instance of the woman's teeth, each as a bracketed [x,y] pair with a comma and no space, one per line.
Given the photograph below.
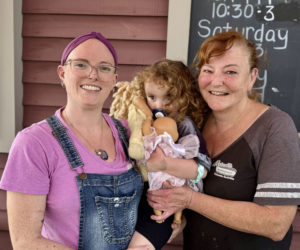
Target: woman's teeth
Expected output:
[218,93]
[91,87]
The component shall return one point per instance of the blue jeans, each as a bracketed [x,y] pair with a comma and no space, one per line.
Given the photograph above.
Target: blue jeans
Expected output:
[108,209]
[108,203]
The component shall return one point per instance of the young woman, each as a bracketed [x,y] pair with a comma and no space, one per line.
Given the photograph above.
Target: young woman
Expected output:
[70,184]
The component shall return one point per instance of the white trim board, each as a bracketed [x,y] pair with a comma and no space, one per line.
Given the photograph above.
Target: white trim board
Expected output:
[178,30]
[10,72]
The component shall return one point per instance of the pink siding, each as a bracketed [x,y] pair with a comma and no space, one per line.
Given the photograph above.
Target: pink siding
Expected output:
[129,51]
[136,28]
[98,7]
[4,235]
[112,27]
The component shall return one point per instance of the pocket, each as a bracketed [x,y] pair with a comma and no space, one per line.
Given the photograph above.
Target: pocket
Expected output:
[118,217]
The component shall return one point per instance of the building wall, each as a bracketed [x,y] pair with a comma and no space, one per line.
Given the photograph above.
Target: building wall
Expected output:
[136,28]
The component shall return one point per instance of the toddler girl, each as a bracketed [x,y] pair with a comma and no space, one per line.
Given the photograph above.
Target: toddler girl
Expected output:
[169,86]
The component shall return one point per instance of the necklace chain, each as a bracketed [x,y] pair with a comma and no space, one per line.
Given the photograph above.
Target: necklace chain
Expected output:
[99,152]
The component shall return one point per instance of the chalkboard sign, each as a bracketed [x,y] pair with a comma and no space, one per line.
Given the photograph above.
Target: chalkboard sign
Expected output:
[274,25]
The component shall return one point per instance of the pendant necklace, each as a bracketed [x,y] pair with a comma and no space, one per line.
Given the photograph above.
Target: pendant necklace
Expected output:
[102,154]
[99,152]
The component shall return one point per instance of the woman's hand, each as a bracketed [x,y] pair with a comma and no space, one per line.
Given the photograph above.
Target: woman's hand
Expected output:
[157,161]
[169,200]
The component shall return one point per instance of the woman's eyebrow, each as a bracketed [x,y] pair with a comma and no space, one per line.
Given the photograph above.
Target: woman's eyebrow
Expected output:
[231,65]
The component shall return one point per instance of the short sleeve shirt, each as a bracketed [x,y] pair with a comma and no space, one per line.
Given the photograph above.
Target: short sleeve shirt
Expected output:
[38,165]
[262,166]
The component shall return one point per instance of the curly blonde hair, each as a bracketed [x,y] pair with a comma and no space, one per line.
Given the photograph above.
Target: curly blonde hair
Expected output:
[174,74]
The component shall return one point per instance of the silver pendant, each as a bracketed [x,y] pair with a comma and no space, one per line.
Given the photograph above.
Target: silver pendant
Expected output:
[102,154]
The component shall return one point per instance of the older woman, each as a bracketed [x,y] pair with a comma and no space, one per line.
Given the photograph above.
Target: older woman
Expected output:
[252,191]
[70,183]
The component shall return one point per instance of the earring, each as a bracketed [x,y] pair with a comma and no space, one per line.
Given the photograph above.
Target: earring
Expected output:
[62,84]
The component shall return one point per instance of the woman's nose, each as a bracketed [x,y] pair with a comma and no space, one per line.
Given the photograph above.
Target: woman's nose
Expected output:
[217,79]
[94,73]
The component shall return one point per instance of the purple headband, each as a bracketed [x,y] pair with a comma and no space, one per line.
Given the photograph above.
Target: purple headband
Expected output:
[80,39]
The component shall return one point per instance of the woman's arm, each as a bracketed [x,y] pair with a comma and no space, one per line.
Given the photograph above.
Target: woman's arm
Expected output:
[272,221]
[269,221]
[25,218]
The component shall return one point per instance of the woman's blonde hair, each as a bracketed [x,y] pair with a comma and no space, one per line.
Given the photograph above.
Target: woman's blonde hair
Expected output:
[182,84]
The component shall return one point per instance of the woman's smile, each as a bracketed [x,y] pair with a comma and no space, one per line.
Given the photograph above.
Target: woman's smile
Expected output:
[90,87]
[218,93]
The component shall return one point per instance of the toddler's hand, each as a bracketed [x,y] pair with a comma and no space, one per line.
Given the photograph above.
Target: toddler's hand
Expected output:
[157,161]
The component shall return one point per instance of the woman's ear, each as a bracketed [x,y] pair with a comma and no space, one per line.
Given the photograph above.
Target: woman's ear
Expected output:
[116,79]
[253,76]
[61,72]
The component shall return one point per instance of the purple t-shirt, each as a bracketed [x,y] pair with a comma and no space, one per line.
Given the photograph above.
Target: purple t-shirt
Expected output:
[37,165]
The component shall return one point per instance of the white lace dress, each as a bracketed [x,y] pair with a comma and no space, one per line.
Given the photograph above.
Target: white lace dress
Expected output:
[187,147]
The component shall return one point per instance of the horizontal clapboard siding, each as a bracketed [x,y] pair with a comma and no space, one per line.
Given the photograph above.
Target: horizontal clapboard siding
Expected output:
[98,7]
[129,52]
[296,232]
[4,234]
[112,27]
[136,28]
[3,158]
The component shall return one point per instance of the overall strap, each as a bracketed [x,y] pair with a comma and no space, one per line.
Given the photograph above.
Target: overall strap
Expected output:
[123,136]
[59,132]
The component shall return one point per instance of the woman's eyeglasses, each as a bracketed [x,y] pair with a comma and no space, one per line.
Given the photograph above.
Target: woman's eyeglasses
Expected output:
[84,67]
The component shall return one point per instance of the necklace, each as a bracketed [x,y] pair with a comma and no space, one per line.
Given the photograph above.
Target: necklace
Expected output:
[99,152]
[102,154]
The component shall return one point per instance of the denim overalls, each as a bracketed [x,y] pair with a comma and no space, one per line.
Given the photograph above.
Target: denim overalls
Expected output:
[108,203]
